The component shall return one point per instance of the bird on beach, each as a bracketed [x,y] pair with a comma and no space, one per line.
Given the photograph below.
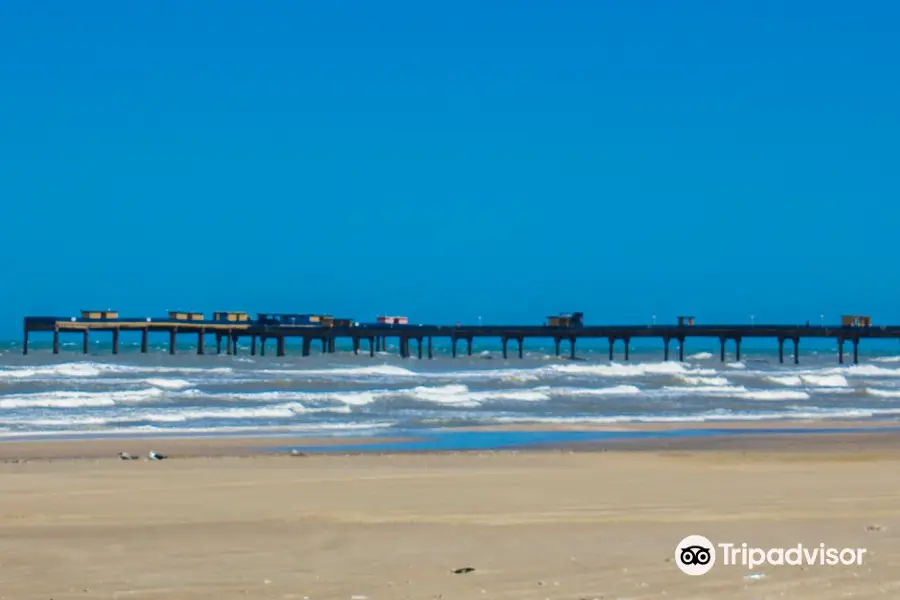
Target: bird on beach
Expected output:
[154,456]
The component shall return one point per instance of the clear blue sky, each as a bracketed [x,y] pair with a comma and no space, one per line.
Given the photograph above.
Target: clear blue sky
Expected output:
[450,160]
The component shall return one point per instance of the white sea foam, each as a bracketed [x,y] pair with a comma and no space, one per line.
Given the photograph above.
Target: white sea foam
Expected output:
[512,395]
[168,384]
[629,370]
[887,359]
[382,370]
[883,393]
[451,395]
[791,380]
[774,395]
[67,399]
[736,365]
[95,369]
[861,371]
[711,416]
[461,396]
[280,411]
[708,390]
[823,381]
[101,372]
[337,429]
[700,356]
[692,380]
[283,411]
[61,370]
[351,398]
[736,392]
[617,390]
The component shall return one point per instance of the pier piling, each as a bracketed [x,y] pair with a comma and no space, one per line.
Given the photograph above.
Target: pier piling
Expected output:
[375,334]
[280,351]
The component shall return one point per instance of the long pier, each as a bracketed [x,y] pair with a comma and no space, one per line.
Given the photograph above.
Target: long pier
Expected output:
[262,333]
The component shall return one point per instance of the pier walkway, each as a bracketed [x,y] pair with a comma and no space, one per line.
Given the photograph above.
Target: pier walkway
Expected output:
[374,336]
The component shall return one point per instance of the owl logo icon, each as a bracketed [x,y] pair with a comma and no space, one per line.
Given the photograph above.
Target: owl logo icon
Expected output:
[695,555]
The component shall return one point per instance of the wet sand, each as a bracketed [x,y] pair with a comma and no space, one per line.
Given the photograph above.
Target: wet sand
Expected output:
[181,447]
[220,521]
[700,426]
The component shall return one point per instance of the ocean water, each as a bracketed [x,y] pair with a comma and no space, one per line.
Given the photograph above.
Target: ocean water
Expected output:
[342,394]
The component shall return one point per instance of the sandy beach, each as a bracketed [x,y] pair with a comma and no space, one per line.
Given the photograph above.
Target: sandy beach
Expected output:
[211,523]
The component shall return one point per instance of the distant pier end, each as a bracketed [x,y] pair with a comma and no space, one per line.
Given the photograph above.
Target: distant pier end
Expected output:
[565,328]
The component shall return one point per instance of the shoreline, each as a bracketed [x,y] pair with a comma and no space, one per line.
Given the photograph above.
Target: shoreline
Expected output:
[759,437]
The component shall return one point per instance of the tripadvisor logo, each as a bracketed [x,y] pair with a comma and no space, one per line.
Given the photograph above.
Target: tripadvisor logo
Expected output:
[697,555]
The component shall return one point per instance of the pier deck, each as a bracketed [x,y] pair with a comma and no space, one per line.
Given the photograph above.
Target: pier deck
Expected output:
[376,335]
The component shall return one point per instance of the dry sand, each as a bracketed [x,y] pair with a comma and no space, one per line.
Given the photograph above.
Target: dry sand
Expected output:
[560,525]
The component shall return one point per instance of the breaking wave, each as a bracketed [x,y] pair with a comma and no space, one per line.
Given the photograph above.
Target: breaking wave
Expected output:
[93,395]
